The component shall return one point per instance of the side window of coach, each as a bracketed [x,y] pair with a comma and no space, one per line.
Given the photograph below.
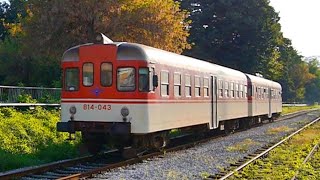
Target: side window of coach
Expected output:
[177,84]
[87,74]
[164,83]
[232,90]
[126,80]
[226,89]
[144,79]
[106,74]
[197,86]
[220,88]
[245,91]
[151,74]
[205,87]
[71,79]
[187,85]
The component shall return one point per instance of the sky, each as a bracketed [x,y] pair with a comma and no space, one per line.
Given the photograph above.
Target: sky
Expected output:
[300,23]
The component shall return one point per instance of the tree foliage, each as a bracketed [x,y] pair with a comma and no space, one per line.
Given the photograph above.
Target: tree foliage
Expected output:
[35,33]
[313,86]
[246,35]
[55,25]
[241,34]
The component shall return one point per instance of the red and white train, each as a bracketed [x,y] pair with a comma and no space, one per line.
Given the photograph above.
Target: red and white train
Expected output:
[135,94]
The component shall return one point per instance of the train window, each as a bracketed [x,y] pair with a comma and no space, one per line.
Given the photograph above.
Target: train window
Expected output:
[87,74]
[187,85]
[164,83]
[237,90]
[267,93]
[106,74]
[241,91]
[197,86]
[126,80]
[144,80]
[151,74]
[177,84]
[260,92]
[71,79]
[232,90]
[226,89]
[245,91]
[220,88]
[251,91]
[205,87]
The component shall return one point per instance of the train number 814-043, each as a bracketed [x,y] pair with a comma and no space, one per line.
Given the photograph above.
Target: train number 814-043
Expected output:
[100,107]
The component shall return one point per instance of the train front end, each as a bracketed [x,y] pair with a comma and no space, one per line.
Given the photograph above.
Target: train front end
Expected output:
[102,95]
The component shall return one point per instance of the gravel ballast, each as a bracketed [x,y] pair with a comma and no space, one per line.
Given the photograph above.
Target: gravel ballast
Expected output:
[207,158]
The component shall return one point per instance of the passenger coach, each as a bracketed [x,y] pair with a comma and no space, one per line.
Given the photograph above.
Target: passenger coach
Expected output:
[135,94]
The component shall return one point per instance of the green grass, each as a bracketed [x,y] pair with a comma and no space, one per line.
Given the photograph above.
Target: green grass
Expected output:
[292,109]
[30,138]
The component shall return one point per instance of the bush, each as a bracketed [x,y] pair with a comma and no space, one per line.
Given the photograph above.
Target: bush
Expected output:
[26,98]
[30,138]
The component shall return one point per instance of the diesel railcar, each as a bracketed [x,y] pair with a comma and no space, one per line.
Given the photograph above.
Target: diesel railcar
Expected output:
[134,95]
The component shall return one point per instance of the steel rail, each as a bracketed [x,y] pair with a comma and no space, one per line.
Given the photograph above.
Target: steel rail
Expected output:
[13,174]
[268,150]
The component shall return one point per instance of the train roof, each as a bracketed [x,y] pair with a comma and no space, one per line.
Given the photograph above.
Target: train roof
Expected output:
[261,80]
[135,51]
[154,55]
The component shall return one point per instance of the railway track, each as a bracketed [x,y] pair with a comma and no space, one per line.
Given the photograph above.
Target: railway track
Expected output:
[260,153]
[87,166]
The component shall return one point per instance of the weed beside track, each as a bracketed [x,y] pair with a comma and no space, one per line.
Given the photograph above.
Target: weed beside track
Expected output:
[30,138]
[287,159]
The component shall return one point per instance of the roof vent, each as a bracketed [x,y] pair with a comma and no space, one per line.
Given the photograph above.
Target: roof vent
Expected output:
[259,75]
[102,39]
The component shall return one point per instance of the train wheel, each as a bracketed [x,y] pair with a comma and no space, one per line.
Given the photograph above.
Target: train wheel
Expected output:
[159,141]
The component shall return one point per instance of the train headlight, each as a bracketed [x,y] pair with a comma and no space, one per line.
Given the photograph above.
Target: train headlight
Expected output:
[73,110]
[124,111]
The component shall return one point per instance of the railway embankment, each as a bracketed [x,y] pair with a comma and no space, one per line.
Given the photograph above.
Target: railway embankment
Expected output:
[212,157]
[29,138]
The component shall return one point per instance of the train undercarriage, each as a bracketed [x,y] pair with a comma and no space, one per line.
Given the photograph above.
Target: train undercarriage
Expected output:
[95,139]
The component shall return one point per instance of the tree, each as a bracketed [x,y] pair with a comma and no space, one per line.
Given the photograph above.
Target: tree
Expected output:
[56,25]
[241,34]
[295,74]
[313,87]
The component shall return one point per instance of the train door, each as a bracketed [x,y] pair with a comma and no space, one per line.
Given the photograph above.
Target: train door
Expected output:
[214,104]
[270,104]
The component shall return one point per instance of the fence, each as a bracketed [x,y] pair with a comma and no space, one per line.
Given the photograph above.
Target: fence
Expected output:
[12,94]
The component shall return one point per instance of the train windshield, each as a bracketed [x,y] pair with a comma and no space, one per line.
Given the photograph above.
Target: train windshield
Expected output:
[71,79]
[126,79]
